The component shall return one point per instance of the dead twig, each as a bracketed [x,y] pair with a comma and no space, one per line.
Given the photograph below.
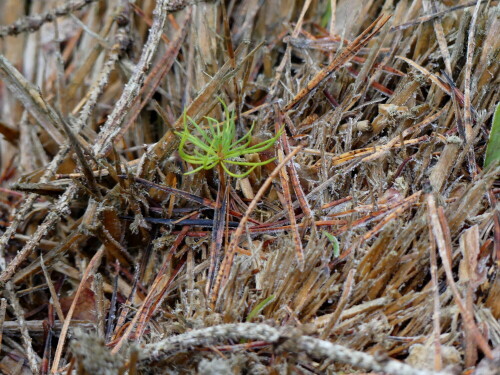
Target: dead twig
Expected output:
[316,348]
[19,313]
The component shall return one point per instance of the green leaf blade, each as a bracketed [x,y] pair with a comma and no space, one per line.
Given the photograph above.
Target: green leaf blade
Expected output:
[257,309]
[493,147]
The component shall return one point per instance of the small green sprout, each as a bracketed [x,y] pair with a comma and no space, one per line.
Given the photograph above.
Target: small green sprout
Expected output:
[335,243]
[218,147]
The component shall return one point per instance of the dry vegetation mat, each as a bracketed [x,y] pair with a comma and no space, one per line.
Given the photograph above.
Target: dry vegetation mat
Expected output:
[262,187]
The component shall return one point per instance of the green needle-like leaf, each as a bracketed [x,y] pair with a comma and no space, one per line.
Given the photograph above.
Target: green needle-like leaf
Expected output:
[217,145]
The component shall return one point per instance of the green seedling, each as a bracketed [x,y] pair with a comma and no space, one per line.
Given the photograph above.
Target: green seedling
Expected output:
[218,146]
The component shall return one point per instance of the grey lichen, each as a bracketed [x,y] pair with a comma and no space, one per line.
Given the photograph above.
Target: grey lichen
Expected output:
[95,357]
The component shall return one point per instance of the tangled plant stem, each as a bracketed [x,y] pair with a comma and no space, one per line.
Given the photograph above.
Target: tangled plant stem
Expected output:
[218,147]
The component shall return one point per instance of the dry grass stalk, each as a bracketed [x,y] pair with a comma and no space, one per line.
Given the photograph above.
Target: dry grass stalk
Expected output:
[287,199]
[27,342]
[53,293]
[344,299]
[3,308]
[227,262]
[90,97]
[445,254]
[344,57]
[91,268]
[438,359]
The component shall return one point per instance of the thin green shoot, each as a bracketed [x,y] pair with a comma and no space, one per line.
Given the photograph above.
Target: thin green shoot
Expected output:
[334,241]
[257,309]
